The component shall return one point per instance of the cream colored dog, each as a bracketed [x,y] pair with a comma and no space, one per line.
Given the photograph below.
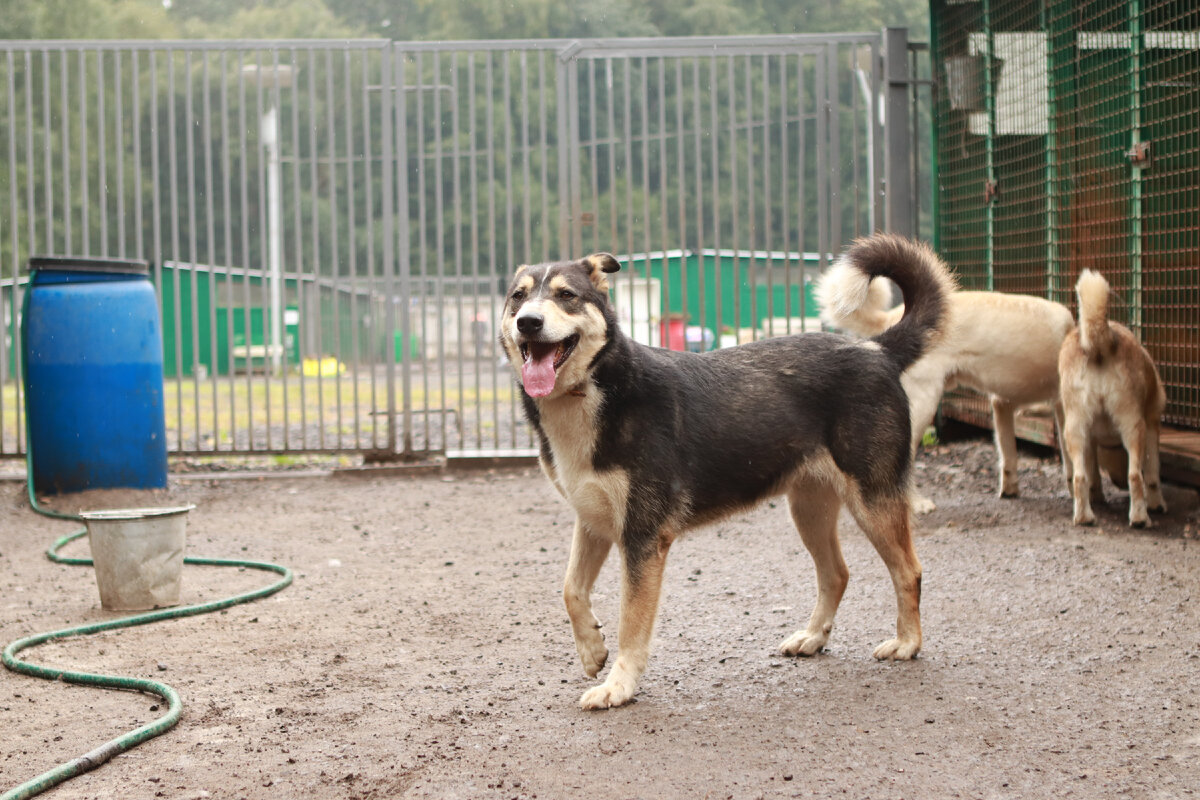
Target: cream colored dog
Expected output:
[1113,398]
[1004,345]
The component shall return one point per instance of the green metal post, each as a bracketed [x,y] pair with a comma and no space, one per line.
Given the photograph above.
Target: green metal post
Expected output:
[1136,49]
[1053,270]
[990,107]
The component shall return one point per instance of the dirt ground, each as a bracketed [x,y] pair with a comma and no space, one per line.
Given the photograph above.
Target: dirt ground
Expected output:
[423,652]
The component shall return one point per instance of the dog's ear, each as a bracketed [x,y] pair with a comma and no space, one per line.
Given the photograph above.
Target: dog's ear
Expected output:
[600,265]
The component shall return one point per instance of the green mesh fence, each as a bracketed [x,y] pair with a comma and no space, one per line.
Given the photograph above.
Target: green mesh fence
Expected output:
[1068,137]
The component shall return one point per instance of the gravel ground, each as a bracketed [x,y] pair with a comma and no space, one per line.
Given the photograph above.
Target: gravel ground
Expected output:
[423,651]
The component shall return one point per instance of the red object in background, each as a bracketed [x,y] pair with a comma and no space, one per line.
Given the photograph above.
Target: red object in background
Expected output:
[672,333]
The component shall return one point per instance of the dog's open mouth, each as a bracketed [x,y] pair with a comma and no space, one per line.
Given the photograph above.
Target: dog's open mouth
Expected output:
[541,363]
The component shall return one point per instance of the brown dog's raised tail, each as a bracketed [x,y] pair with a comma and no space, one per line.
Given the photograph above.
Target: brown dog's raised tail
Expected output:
[1095,337]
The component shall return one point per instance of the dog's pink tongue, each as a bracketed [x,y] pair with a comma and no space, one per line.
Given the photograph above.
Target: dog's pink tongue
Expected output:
[537,373]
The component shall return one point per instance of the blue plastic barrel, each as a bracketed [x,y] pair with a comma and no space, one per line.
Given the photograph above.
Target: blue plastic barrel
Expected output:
[93,370]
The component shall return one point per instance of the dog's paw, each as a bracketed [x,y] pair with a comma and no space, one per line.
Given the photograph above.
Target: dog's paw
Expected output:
[898,649]
[1139,519]
[804,643]
[1009,486]
[592,653]
[610,694]
[1085,518]
[921,504]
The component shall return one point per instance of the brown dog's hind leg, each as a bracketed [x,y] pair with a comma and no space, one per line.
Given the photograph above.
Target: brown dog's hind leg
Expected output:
[641,587]
[1134,438]
[887,523]
[814,506]
[1003,420]
[587,557]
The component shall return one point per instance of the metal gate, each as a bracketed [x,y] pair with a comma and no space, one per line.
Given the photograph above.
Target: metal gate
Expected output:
[331,224]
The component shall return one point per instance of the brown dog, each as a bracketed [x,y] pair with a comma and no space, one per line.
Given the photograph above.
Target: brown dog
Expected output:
[1004,345]
[1112,397]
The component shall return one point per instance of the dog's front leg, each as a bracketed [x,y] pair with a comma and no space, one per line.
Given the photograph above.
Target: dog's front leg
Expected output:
[587,557]
[640,591]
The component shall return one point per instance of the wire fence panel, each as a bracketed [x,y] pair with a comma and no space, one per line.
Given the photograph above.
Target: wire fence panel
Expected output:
[331,224]
[1069,138]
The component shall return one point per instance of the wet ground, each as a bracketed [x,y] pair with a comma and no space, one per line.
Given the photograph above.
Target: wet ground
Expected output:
[423,652]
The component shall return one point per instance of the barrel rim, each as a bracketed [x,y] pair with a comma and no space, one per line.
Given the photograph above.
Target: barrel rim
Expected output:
[123,266]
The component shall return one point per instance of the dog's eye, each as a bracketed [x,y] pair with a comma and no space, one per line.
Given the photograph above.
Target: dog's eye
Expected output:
[518,295]
[566,294]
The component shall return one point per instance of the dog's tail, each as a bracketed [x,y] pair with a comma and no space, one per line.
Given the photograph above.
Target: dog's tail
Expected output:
[850,301]
[923,280]
[1095,337]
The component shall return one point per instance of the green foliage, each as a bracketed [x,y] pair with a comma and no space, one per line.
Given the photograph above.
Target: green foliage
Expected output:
[431,20]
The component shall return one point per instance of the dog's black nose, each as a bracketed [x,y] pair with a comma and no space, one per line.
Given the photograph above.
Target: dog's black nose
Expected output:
[530,323]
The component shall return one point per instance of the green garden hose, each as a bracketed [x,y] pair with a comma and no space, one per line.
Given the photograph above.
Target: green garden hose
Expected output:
[104,752]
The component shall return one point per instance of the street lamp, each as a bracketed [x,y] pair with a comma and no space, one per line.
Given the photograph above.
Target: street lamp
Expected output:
[277,76]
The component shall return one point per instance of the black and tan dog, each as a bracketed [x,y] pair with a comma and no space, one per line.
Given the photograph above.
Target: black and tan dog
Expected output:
[647,443]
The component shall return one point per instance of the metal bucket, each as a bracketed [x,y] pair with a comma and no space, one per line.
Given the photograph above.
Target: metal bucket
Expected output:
[138,555]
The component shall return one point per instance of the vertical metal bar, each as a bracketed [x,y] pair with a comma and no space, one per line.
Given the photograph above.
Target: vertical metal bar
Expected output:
[1050,167]
[528,249]
[374,334]
[736,201]
[801,169]
[594,140]
[15,226]
[698,244]
[898,199]
[628,121]
[647,242]
[64,115]
[766,194]
[472,213]
[30,213]
[84,189]
[456,194]
[490,352]
[835,147]
[610,132]
[227,200]
[424,258]
[567,155]
[210,230]
[139,249]
[244,205]
[317,257]
[680,172]
[785,185]
[173,208]
[102,152]
[47,157]
[310,316]
[355,313]
[989,101]
[714,163]
[548,217]
[119,125]
[440,256]
[193,279]
[335,260]
[1137,47]
[156,203]
[664,226]
[823,135]
[395,169]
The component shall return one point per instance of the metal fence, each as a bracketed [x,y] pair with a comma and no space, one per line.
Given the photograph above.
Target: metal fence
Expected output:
[330,224]
[1069,137]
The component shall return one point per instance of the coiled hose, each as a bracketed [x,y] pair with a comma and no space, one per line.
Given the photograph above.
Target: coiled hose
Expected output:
[94,758]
